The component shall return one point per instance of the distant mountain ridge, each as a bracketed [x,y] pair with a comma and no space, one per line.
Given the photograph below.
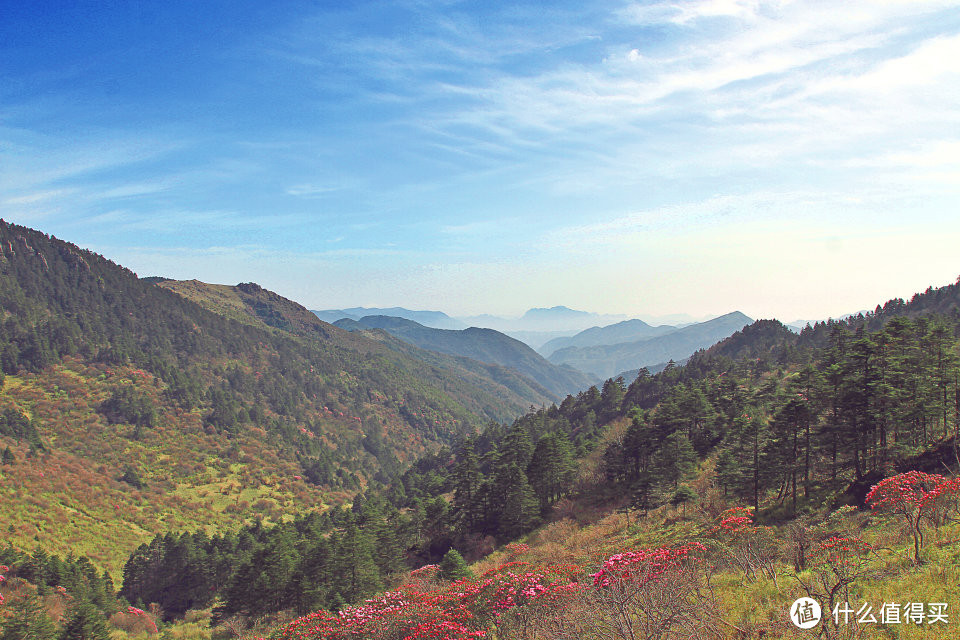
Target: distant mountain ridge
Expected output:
[258,305]
[626,331]
[535,327]
[433,319]
[605,361]
[541,319]
[484,345]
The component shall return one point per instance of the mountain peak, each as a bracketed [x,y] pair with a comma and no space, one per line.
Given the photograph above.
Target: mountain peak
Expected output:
[557,311]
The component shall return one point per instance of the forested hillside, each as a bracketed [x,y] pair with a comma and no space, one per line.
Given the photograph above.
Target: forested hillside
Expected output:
[484,345]
[764,422]
[501,388]
[784,428]
[128,409]
[764,437]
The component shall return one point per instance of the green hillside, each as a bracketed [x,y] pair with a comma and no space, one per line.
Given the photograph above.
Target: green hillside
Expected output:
[484,345]
[134,410]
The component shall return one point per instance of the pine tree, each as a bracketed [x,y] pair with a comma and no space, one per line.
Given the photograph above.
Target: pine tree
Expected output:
[642,491]
[263,584]
[29,621]
[468,479]
[516,447]
[611,397]
[521,508]
[453,566]
[682,496]
[551,468]
[386,530]
[311,581]
[353,569]
[677,459]
[85,622]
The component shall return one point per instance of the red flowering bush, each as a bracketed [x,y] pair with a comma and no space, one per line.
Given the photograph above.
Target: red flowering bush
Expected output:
[515,598]
[644,593]
[836,563]
[914,497]
[637,568]
[734,521]
[841,553]
[134,621]
[746,545]
[405,614]
[461,610]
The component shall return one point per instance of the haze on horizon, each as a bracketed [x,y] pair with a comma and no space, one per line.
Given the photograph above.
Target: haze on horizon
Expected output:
[786,159]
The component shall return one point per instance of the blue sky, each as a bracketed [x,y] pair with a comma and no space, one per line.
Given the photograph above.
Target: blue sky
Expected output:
[787,159]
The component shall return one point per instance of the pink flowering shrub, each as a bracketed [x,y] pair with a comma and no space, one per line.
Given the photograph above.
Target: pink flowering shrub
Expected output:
[134,621]
[462,610]
[645,593]
[648,593]
[405,614]
[515,597]
[516,549]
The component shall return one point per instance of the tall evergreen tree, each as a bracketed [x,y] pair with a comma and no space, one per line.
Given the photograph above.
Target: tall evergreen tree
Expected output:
[521,508]
[468,481]
[677,459]
[28,622]
[354,571]
[85,622]
[453,566]
[551,467]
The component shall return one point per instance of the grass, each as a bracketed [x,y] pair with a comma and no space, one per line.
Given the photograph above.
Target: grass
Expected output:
[757,607]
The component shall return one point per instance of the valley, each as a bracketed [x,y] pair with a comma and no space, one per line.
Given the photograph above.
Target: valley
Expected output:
[309,466]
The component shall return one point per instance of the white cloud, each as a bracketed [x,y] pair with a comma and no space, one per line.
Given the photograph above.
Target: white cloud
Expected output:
[312,190]
[822,46]
[38,196]
[683,12]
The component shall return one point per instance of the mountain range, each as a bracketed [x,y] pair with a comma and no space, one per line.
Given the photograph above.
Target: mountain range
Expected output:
[606,360]
[626,331]
[181,411]
[535,327]
[484,345]
[434,319]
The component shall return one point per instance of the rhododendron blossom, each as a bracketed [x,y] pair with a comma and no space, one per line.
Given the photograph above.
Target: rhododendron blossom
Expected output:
[913,497]
[461,610]
[839,551]
[643,566]
[735,520]
[513,598]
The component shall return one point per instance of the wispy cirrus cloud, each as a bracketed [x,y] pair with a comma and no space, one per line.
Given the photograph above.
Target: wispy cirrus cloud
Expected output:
[440,141]
[312,190]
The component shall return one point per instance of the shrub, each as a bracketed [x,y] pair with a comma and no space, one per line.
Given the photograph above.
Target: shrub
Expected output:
[914,497]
